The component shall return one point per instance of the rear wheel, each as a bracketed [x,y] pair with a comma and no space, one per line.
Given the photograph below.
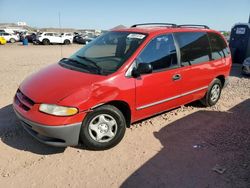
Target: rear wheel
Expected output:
[213,94]
[12,40]
[103,128]
[67,42]
[45,42]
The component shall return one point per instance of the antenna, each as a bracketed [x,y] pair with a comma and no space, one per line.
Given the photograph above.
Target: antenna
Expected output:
[60,26]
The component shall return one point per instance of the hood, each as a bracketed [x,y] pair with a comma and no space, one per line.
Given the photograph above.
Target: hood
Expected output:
[54,83]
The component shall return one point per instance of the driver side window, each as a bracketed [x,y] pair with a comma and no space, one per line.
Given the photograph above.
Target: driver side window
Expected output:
[160,53]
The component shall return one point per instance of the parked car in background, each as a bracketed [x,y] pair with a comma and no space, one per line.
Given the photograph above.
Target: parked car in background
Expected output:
[84,39]
[21,35]
[2,40]
[31,37]
[70,35]
[54,38]
[75,35]
[92,96]
[13,30]
[9,37]
[246,66]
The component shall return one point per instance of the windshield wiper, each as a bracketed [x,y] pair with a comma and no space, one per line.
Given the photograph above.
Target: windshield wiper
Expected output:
[99,69]
[76,62]
[72,60]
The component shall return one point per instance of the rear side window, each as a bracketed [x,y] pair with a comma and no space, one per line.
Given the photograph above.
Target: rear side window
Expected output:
[160,53]
[219,47]
[48,34]
[194,47]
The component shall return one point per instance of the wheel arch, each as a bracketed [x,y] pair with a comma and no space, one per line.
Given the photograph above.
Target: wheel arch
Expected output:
[222,79]
[45,39]
[12,39]
[122,106]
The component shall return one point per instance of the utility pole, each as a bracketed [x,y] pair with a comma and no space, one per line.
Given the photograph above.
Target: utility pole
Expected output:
[249,18]
[60,25]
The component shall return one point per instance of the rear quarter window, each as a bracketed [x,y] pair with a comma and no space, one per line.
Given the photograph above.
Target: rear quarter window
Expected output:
[219,47]
[194,47]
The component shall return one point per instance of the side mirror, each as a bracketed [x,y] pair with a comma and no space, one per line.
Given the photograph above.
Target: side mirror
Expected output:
[142,68]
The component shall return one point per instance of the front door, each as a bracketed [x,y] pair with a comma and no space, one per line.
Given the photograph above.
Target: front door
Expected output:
[159,90]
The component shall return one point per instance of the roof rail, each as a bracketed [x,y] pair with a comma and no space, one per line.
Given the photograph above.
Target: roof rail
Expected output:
[158,24]
[193,25]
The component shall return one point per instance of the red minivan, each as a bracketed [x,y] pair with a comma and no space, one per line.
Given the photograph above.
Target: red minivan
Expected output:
[119,78]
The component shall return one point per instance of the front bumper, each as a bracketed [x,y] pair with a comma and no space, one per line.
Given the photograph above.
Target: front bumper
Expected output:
[60,136]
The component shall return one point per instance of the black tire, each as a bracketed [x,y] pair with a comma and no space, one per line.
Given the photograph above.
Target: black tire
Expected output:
[67,42]
[87,136]
[45,41]
[12,40]
[210,99]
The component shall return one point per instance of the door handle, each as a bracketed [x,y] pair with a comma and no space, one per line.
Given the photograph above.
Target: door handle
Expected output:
[176,77]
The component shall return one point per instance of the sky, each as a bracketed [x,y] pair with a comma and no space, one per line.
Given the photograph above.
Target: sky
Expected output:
[106,14]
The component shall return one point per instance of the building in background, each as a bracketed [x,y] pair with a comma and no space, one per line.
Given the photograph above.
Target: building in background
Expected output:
[21,24]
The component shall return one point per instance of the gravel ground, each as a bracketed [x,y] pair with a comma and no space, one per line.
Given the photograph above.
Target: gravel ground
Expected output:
[190,146]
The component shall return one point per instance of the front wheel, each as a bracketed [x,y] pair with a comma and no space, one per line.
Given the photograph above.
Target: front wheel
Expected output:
[213,94]
[103,128]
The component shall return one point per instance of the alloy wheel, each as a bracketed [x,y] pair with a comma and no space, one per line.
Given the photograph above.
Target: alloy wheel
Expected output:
[102,128]
[215,92]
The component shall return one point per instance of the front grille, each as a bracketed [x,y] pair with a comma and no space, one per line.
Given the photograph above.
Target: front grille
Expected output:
[23,101]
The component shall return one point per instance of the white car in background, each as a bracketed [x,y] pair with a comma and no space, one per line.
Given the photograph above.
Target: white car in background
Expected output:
[56,38]
[70,35]
[9,37]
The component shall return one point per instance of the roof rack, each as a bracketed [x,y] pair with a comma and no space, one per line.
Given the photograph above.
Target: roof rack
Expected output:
[194,26]
[159,24]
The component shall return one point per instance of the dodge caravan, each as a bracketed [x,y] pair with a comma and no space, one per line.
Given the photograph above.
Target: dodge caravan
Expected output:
[121,77]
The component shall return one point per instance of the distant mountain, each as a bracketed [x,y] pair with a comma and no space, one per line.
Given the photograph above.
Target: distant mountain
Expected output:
[53,29]
[119,27]
[14,25]
[8,25]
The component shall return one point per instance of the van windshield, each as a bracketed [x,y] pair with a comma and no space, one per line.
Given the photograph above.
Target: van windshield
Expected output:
[107,53]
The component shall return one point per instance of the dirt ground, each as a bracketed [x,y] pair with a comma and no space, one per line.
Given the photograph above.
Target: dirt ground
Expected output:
[179,148]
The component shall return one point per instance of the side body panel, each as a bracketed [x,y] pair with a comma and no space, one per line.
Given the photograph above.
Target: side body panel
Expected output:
[155,92]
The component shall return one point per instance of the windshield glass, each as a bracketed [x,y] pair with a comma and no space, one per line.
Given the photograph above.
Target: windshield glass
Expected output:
[107,53]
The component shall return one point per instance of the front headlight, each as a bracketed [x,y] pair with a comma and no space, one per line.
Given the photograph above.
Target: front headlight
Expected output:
[58,110]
